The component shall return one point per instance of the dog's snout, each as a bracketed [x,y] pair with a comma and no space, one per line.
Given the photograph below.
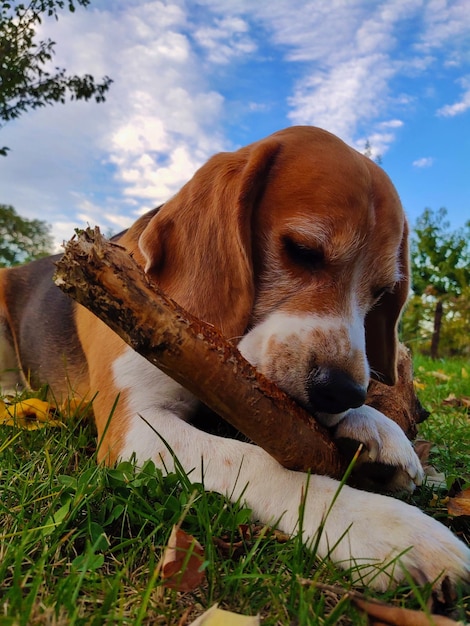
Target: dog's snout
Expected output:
[333,391]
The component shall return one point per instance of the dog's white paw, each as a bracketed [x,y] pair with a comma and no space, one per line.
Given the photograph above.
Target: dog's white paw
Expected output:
[381,536]
[385,443]
[387,538]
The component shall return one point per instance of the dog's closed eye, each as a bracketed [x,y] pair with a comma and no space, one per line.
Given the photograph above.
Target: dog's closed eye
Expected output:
[306,257]
[379,292]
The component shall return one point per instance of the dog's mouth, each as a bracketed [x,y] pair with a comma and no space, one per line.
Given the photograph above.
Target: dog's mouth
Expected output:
[329,420]
[325,418]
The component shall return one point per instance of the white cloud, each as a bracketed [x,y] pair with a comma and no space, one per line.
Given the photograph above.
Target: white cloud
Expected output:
[156,184]
[391,124]
[445,23]
[339,98]
[63,231]
[172,98]
[161,119]
[376,142]
[351,52]
[450,110]
[228,38]
[258,107]
[121,222]
[165,122]
[347,51]
[423,162]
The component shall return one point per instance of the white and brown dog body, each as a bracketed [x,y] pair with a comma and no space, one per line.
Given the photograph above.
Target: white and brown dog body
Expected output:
[295,247]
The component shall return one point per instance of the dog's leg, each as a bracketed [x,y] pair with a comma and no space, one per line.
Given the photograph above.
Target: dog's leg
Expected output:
[362,528]
[10,373]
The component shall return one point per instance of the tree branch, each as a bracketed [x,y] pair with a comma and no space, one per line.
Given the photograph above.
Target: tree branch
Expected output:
[103,277]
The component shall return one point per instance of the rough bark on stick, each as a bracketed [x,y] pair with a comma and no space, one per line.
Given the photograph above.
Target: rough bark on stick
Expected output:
[104,278]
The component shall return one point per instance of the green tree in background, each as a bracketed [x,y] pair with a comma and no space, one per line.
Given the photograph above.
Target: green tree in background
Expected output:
[27,78]
[441,285]
[21,239]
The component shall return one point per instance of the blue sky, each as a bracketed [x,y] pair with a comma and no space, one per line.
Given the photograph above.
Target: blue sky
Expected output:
[193,77]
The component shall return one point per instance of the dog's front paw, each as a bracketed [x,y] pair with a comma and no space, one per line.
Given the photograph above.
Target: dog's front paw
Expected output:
[389,460]
[389,539]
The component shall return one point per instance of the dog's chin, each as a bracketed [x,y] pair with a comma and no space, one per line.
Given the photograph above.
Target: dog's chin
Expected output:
[329,420]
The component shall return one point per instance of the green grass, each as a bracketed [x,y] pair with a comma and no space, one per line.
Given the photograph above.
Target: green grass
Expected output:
[81,544]
[448,426]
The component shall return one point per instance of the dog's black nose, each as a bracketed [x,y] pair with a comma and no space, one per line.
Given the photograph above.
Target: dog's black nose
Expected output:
[333,391]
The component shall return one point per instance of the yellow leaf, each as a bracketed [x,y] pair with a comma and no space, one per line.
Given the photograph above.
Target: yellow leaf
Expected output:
[440,375]
[419,385]
[29,414]
[464,373]
[218,617]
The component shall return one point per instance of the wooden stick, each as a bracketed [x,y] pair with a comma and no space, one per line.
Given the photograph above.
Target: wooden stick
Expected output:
[104,278]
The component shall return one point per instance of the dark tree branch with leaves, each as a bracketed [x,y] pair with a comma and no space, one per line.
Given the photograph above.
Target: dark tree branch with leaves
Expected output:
[21,239]
[27,78]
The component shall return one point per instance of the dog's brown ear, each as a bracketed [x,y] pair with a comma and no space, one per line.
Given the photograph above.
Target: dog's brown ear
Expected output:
[198,246]
[382,323]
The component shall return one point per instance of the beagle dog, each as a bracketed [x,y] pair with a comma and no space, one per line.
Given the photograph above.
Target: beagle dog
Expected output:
[295,247]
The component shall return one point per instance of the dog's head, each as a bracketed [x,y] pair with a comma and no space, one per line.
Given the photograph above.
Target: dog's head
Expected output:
[298,244]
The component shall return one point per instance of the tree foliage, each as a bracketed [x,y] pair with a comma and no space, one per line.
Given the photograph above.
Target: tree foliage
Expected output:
[441,257]
[28,79]
[437,315]
[21,239]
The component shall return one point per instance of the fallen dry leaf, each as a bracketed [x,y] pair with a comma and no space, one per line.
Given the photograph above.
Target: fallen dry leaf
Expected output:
[218,617]
[452,400]
[182,561]
[29,414]
[237,546]
[76,407]
[440,375]
[435,478]
[281,537]
[422,449]
[381,614]
[460,504]
[388,615]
